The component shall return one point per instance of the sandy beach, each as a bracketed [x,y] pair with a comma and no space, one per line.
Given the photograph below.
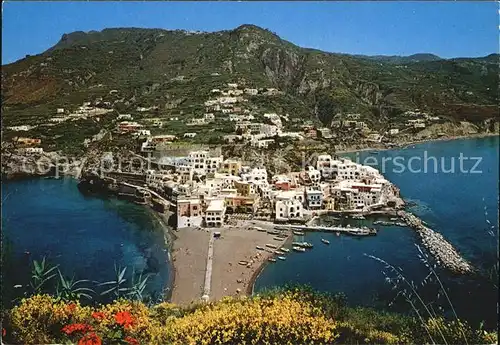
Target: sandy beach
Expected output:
[236,244]
[189,258]
[229,278]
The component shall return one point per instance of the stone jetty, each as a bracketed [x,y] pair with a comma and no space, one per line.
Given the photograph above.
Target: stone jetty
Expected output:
[444,253]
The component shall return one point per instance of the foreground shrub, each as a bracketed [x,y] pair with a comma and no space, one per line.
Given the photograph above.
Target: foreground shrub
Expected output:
[40,318]
[283,320]
[286,317]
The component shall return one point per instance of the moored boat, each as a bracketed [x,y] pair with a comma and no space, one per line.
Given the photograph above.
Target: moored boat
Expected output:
[325,241]
[298,233]
[299,249]
[244,263]
[281,258]
[286,250]
[271,245]
[259,248]
[271,260]
[278,238]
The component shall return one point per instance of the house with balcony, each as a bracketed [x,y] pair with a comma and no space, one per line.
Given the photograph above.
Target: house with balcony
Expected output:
[189,213]
[215,212]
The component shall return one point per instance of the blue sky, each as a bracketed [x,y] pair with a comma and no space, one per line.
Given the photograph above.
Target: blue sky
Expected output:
[448,29]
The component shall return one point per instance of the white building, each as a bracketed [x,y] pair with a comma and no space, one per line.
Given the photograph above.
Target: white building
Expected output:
[209,116]
[262,143]
[269,130]
[143,132]
[254,175]
[215,212]
[348,170]
[393,131]
[354,195]
[288,206]
[22,128]
[189,213]
[314,197]
[325,166]
[313,175]
[60,111]
[251,92]
[34,150]
[212,164]
[125,117]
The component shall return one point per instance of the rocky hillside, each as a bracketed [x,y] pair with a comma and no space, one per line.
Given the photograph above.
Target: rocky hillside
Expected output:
[153,67]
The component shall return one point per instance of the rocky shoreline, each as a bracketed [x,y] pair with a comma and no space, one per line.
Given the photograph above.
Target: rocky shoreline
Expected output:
[442,250]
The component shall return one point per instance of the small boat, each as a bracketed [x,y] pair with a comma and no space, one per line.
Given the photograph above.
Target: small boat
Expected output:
[360,232]
[338,233]
[279,252]
[296,244]
[307,245]
[286,250]
[298,233]
[280,228]
[358,216]
[273,232]
[278,238]
[259,248]
[282,258]
[271,260]
[378,222]
[299,249]
[325,241]
[271,245]
[244,263]
[393,219]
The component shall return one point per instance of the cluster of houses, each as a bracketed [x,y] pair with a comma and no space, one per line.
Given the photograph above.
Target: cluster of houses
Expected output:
[84,111]
[205,188]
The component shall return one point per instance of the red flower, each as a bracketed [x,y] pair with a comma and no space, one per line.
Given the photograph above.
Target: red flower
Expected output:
[131,341]
[90,339]
[98,315]
[76,327]
[71,307]
[124,318]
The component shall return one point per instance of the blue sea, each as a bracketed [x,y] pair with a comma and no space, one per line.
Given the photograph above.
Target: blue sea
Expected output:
[462,205]
[85,236]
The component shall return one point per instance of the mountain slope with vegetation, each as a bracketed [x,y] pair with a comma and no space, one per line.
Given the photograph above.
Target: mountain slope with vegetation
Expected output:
[153,66]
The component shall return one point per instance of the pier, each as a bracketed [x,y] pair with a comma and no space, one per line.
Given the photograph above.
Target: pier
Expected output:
[445,254]
[208,271]
[340,229]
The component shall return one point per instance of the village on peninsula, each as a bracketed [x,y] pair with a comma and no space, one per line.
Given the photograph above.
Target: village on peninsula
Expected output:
[229,216]
[235,170]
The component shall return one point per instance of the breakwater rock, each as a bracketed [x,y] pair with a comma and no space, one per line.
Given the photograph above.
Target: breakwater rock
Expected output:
[444,253]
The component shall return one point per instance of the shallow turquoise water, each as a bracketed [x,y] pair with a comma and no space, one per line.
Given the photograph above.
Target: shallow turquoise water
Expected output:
[86,236]
[451,203]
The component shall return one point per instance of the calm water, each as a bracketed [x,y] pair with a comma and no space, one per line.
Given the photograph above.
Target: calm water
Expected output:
[84,235]
[455,204]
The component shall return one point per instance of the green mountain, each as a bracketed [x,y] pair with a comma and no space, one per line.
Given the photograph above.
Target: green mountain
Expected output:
[175,71]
